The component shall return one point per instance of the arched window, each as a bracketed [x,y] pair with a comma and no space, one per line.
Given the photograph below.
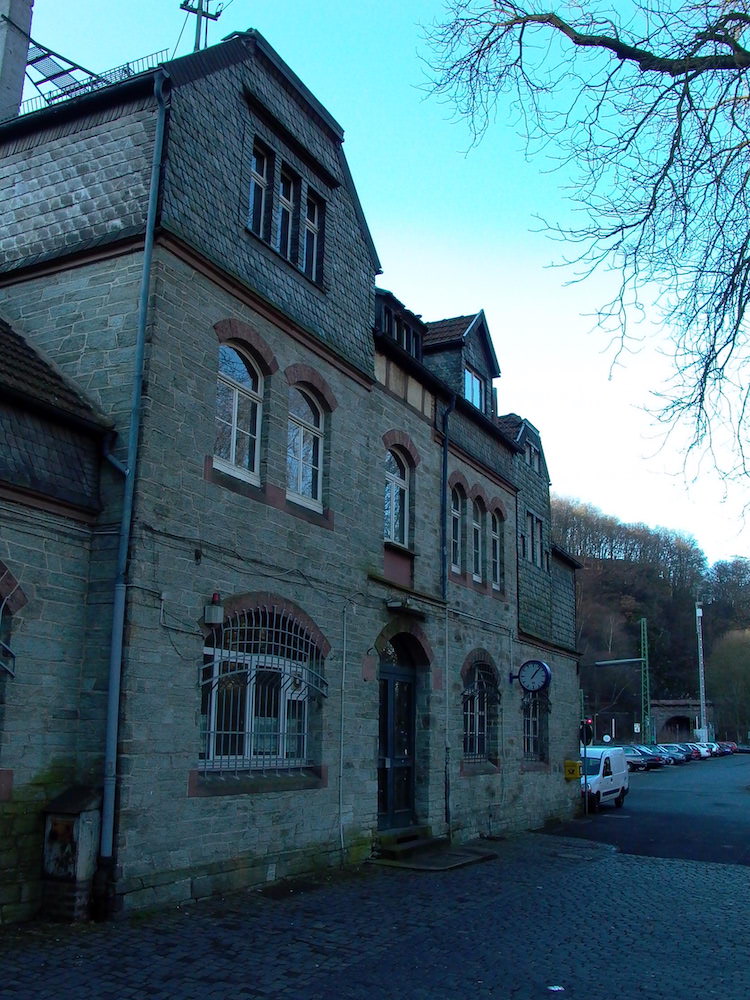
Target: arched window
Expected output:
[481,699]
[477,540]
[536,708]
[396,504]
[457,513]
[261,684]
[497,551]
[304,452]
[239,397]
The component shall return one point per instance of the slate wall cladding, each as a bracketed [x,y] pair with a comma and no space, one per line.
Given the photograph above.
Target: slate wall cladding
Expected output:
[39,454]
[67,186]
[206,202]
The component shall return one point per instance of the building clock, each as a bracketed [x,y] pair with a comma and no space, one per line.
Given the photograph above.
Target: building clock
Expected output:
[534,675]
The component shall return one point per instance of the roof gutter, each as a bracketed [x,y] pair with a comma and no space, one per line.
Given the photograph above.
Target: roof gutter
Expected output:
[104,883]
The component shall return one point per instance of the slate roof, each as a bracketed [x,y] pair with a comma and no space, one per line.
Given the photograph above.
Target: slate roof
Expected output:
[49,432]
[446,331]
[26,376]
[510,424]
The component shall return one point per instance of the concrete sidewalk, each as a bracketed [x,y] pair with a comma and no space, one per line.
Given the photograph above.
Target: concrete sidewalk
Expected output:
[547,912]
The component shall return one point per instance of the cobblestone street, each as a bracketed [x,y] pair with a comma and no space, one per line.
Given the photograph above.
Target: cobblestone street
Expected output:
[548,912]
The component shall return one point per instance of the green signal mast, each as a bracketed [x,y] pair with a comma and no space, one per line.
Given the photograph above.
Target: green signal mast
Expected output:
[646,723]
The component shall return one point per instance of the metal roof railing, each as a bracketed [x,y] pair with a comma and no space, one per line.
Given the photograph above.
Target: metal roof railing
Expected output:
[90,82]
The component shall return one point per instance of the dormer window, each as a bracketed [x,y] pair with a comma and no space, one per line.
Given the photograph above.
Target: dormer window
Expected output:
[532,456]
[402,329]
[474,388]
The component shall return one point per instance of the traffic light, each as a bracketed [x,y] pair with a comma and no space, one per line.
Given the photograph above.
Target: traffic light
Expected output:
[586,732]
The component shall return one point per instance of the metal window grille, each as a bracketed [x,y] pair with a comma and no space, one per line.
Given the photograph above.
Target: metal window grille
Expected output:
[536,709]
[261,685]
[481,699]
[7,656]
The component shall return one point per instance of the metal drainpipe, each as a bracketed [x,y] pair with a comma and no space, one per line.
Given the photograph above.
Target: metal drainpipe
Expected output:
[118,609]
[444,590]
[344,637]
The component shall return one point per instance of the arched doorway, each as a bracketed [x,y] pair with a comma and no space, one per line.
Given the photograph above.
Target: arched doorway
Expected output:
[397,755]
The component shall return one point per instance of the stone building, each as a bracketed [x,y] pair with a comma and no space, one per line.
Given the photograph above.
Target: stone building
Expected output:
[279,606]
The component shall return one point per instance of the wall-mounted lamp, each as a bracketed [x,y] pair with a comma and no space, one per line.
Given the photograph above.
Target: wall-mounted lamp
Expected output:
[213,613]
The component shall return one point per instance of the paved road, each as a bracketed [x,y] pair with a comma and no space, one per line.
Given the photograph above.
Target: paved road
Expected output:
[549,911]
[698,811]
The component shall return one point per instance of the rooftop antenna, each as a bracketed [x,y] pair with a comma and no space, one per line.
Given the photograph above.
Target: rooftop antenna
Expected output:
[202,11]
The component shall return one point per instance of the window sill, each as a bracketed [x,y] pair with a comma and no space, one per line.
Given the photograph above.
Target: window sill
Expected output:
[398,564]
[205,784]
[235,472]
[318,284]
[534,766]
[266,494]
[470,768]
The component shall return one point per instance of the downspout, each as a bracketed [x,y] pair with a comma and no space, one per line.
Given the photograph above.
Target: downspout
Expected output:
[344,637]
[444,593]
[104,879]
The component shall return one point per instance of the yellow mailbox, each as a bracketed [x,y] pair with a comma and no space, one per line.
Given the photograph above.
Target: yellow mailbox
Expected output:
[573,770]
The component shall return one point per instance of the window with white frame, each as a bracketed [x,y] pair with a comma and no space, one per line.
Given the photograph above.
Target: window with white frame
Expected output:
[396,501]
[312,227]
[481,699]
[532,456]
[497,554]
[286,212]
[261,688]
[457,509]
[477,540]
[474,388]
[260,173]
[536,708]
[532,542]
[238,415]
[304,453]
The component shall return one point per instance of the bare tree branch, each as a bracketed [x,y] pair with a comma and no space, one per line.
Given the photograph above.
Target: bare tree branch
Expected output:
[649,115]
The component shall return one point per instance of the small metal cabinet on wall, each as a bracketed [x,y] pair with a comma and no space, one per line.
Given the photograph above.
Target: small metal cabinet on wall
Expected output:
[71,841]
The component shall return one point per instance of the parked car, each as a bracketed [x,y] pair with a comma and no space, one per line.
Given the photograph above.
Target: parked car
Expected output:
[639,760]
[742,748]
[729,747]
[677,754]
[693,751]
[634,759]
[653,757]
[704,752]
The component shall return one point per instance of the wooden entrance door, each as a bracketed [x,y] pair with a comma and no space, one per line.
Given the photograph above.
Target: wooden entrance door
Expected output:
[396,746]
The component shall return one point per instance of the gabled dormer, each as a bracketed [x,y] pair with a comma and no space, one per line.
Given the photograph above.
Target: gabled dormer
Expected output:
[460,351]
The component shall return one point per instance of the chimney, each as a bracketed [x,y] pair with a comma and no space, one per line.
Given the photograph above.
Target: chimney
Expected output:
[15,26]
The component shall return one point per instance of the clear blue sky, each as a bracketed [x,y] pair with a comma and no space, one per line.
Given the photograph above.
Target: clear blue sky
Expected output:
[455,233]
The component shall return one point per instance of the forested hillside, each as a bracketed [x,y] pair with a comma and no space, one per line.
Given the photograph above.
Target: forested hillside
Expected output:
[631,572]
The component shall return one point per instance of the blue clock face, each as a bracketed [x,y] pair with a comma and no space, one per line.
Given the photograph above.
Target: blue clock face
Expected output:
[534,675]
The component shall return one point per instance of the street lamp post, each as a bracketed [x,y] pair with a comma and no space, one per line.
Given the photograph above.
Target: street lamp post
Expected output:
[701,671]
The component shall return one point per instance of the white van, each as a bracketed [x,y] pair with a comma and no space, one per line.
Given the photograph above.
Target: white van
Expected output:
[605,776]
